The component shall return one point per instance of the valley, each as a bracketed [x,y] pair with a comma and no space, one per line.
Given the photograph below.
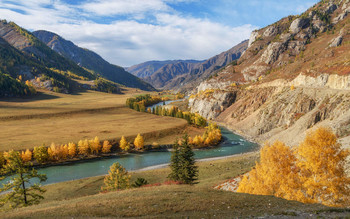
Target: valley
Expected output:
[269,117]
[62,118]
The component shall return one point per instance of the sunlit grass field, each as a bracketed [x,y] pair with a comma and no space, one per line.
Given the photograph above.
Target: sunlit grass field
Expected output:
[63,118]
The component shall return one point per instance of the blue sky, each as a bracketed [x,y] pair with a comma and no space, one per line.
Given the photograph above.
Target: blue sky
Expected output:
[127,32]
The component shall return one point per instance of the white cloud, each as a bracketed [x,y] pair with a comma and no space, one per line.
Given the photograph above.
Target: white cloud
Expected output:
[130,42]
[126,42]
[118,7]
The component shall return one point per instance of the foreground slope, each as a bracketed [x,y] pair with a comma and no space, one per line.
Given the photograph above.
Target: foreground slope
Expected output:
[81,198]
[90,60]
[294,76]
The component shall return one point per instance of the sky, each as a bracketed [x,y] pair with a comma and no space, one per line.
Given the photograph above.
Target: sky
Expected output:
[128,32]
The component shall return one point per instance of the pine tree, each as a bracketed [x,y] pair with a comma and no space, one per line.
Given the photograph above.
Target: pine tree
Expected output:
[20,194]
[117,178]
[175,163]
[188,170]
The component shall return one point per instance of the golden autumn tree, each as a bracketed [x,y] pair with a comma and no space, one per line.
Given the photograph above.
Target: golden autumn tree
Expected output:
[72,149]
[123,144]
[322,161]
[315,173]
[95,145]
[52,151]
[64,151]
[198,140]
[26,156]
[83,147]
[118,178]
[275,174]
[139,142]
[106,147]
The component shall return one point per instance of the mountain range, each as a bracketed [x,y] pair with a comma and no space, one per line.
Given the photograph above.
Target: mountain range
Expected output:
[293,77]
[24,57]
[90,60]
[185,74]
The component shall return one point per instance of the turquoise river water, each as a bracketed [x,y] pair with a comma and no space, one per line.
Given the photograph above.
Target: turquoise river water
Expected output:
[231,144]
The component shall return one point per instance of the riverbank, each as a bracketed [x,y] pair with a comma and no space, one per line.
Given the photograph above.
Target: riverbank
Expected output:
[82,198]
[231,145]
[244,135]
[155,167]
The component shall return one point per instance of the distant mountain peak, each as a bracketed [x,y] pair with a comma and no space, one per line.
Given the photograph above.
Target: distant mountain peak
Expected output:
[173,74]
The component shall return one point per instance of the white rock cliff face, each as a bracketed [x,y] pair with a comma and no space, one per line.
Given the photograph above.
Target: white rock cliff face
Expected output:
[253,37]
[210,107]
[212,84]
[323,81]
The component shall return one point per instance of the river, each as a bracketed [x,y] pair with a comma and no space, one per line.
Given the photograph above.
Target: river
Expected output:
[231,144]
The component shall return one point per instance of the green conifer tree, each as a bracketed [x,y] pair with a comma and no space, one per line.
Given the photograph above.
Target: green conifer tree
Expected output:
[175,163]
[21,191]
[188,173]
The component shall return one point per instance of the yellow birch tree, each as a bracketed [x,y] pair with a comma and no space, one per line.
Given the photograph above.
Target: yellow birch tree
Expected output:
[322,160]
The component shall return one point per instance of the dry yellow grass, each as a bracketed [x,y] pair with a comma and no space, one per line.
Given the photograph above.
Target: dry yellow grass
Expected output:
[81,198]
[69,118]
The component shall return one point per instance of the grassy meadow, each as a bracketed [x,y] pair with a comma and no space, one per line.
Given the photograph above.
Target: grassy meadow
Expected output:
[62,118]
[81,198]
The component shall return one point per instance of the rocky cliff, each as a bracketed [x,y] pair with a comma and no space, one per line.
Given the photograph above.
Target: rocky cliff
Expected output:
[294,76]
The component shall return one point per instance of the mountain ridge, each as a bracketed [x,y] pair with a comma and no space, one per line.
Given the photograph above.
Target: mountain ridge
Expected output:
[293,77]
[145,69]
[90,60]
[188,73]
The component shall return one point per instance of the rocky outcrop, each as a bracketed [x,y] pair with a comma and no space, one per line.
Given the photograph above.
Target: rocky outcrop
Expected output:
[323,81]
[294,76]
[271,113]
[253,36]
[336,41]
[272,52]
[211,105]
[212,85]
[298,24]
